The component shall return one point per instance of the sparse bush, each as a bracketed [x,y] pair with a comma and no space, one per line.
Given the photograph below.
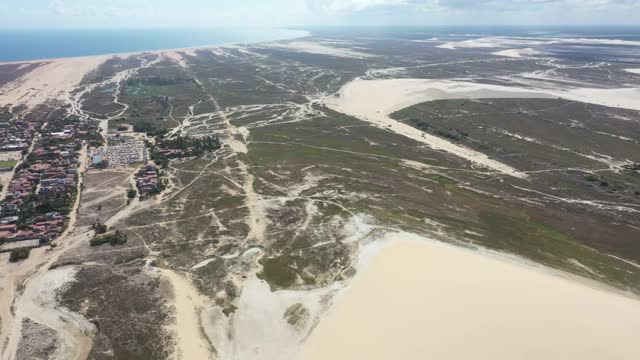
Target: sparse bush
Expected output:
[100,228]
[19,255]
[114,239]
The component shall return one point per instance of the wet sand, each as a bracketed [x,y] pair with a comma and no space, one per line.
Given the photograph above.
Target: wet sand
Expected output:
[419,299]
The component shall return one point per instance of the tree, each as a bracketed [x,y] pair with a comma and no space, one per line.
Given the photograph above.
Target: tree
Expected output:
[132,193]
[100,228]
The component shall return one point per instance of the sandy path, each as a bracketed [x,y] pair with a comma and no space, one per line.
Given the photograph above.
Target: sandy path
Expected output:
[420,299]
[188,303]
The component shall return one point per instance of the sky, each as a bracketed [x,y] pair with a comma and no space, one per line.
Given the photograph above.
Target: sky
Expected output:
[281,13]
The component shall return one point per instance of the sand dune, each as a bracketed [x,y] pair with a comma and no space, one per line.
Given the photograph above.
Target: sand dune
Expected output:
[420,299]
[374,100]
[51,81]
[517,53]
[321,49]
[506,41]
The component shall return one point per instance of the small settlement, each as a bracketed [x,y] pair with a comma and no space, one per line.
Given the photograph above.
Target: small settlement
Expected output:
[41,194]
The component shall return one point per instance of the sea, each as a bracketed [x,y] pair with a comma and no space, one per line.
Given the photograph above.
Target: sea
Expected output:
[35,44]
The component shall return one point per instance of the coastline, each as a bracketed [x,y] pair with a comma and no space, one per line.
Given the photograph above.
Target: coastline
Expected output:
[56,78]
[414,297]
[302,34]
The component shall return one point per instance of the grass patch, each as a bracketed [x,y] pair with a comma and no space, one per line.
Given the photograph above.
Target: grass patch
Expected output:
[277,272]
[8,163]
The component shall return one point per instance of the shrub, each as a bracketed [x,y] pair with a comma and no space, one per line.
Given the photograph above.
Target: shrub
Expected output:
[114,239]
[19,255]
[100,228]
[132,193]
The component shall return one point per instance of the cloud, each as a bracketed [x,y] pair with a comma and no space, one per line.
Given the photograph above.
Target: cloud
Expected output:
[338,6]
[342,6]
[105,9]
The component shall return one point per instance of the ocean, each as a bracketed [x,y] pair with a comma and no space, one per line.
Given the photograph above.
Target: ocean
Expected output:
[19,44]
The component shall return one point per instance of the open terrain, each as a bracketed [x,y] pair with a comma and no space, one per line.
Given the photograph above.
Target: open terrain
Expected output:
[329,144]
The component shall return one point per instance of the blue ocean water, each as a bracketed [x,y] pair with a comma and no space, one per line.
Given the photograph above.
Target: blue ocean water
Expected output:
[16,45]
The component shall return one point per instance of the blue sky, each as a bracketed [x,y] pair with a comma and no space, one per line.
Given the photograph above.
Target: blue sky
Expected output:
[211,13]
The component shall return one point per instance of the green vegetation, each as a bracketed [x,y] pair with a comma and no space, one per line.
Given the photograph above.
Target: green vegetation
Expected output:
[8,163]
[277,272]
[99,228]
[149,129]
[131,194]
[114,239]
[441,179]
[19,255]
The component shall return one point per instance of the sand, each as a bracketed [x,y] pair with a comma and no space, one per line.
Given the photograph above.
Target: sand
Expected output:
[517,53]
[506,42]
[188,302]
[374,100]
[321,49]
[420,299]
[51,81]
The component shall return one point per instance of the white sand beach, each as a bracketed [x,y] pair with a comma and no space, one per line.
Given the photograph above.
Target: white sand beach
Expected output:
[421,299]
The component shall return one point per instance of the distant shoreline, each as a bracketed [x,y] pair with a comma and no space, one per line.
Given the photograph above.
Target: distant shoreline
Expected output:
[292,34]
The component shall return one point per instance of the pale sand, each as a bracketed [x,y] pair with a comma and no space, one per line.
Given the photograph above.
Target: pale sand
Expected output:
[374,100]
[321,48]
[187,329]
[505,41]
[420,299]
[51,81]
[517,53]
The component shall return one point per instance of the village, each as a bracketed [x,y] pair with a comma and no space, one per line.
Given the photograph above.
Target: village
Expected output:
[41,184]
[39,198]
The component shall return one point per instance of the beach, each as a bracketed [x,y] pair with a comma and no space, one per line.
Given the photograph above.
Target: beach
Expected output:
[418,299]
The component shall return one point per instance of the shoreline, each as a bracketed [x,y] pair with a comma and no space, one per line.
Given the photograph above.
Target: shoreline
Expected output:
[303,34]
[425,296]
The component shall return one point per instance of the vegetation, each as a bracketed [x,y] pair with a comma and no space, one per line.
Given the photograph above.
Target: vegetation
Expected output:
[114,239]
[132,193]
[8,163]
[19,254]
[149,129]
[99,228]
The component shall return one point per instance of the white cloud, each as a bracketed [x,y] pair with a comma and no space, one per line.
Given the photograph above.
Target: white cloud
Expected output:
[341,6]
[337,6]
